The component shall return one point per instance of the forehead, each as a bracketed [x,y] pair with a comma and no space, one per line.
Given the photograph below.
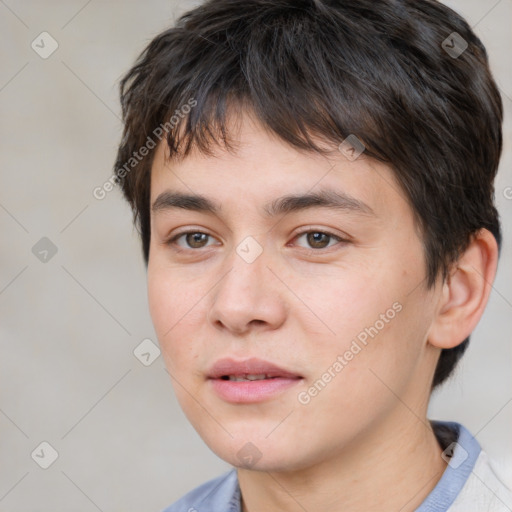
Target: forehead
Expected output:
[263,169]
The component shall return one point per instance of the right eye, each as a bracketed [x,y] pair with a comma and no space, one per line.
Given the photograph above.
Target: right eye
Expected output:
[194,240]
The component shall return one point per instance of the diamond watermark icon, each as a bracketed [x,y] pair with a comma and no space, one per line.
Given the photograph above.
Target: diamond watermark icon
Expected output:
[249,249]
[454,455]
[44,45]
[454,45]
[249,455]
[44,250]
[44,455]
[351,147]
[146,352]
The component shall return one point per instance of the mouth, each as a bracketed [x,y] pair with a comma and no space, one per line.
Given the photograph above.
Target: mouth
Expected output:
[248,369]
[248,377]
[251,380]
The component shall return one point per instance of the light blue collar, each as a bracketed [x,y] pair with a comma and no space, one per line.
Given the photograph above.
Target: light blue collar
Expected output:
[466,450]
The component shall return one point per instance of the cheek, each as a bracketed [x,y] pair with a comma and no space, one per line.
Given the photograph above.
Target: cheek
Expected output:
[161,302]
[172,309]
[343,303]
[354,383]
[371,327]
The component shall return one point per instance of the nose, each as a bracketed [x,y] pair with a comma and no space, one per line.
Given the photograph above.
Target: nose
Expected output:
[249,295]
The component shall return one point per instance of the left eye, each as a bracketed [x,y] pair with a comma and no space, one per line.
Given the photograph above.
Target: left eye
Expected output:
[316,239]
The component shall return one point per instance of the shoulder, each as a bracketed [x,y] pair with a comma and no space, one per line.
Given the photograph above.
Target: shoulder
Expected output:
[469,482]
[220,493]
[483,490]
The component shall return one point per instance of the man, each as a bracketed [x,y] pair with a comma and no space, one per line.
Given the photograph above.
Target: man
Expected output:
[313,184]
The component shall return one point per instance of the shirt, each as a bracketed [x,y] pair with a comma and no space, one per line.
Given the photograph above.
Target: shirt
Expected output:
[468,484]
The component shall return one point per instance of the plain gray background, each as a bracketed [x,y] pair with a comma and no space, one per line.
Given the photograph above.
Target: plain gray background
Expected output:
[69,325]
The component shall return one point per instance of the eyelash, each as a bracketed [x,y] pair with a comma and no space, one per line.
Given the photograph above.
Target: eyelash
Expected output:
[172,241]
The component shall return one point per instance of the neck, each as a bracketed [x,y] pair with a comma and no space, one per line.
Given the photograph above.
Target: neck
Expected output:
[388,468]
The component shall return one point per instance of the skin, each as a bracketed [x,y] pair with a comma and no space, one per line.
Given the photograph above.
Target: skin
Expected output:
[363,443]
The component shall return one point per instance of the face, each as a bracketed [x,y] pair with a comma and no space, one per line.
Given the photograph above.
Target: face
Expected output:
[321,300]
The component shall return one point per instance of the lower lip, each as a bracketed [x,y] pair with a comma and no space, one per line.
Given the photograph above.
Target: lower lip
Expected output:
[251,391]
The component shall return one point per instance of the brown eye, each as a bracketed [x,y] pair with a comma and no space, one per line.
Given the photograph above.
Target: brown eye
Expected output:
[193,240]
[196,239]
[319,239]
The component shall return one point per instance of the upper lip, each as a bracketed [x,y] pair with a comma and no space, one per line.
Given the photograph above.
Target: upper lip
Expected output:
[253,366]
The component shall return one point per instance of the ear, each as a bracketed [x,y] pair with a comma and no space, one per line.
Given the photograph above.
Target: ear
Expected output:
[465,292]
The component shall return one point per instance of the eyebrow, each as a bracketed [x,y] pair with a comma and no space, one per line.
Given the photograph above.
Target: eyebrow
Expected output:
[325,198]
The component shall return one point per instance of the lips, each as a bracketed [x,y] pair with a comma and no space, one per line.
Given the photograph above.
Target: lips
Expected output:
[248,369]
[250,381]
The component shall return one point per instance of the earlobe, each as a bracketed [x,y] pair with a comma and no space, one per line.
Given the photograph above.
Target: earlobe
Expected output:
[465,292]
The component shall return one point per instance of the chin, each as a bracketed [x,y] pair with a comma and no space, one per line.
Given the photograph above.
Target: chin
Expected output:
[254,452]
